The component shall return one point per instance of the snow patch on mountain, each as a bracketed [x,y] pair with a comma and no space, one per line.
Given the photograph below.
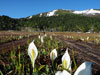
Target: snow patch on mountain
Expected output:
[89,11]
[40,14]
[52,13]
[30,17]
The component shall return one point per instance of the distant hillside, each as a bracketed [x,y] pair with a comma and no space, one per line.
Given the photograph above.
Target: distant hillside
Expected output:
[56,20]
[68,22]
[7,23]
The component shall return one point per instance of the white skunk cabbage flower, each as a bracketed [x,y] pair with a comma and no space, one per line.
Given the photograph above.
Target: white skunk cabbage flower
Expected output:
[82,39]
[97,41]
[84,69]
[32,52]
[42,39]
[39,36]
[53,54]
[87,38]
[51,37]
[64,72]
[45,35]
[66,60]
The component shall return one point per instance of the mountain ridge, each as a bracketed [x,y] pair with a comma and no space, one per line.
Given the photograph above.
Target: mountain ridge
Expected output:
[57,12]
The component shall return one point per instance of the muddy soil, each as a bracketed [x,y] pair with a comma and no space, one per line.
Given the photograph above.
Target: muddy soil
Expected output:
[14,44]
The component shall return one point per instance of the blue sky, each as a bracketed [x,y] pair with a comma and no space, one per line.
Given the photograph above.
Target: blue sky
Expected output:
[24,8]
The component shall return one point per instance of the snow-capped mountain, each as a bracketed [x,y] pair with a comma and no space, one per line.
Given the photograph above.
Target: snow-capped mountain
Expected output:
[63,12]
[87,12]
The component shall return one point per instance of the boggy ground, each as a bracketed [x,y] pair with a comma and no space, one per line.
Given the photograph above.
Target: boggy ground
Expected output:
[84,51]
